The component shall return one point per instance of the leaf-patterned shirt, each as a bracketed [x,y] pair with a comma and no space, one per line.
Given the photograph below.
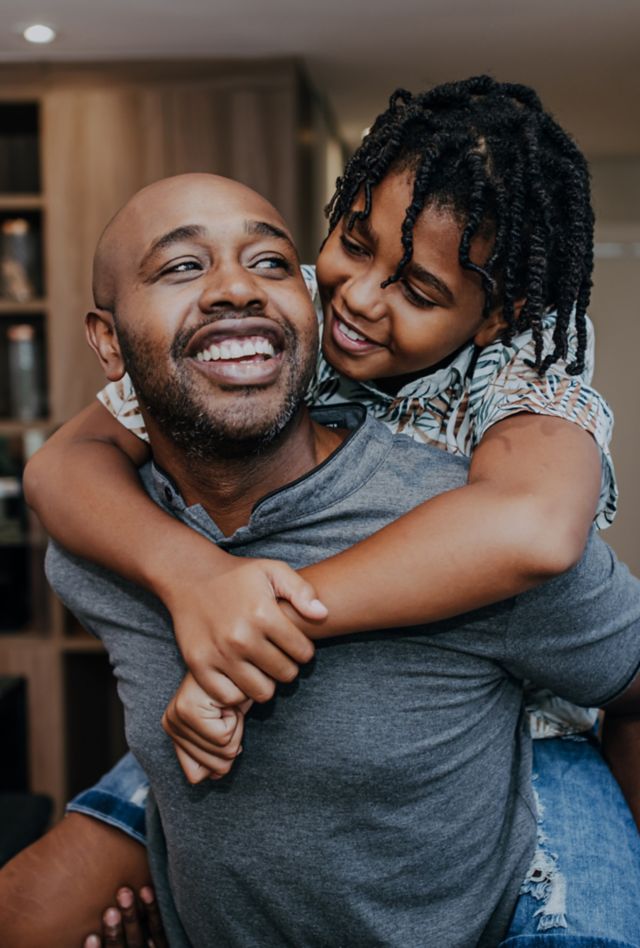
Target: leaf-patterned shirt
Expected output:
[452,409]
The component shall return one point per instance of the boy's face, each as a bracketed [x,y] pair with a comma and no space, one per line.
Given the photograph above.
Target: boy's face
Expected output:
[411,326]
[212,314]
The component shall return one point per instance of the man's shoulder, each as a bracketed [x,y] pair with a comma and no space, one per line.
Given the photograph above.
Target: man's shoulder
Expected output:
[95,594]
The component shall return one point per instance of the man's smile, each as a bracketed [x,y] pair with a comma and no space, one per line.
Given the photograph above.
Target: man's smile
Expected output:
[244,350]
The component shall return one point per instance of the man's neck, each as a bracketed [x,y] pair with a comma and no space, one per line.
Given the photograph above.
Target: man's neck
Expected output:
[229,488]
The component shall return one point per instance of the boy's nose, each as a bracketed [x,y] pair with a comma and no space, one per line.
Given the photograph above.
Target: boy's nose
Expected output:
[364,297]
[233,286]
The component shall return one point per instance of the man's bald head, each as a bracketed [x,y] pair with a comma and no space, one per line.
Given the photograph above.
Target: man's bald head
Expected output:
[129,233]
[207,311]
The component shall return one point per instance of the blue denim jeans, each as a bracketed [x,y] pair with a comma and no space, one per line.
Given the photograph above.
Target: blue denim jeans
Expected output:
[119,798]
[583,888]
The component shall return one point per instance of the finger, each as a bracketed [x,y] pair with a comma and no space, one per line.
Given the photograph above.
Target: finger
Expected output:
[131,920]
[220,687]
[217,732]
[196,747]
[289,585]
[198,737]
[154,922]
[266,664]
[92,941]
[193,771]
[254,683]
[214,763]
[112,930]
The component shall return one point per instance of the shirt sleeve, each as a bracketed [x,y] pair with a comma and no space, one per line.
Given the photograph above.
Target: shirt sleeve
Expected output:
[505,383]
[579,634]
[121,400]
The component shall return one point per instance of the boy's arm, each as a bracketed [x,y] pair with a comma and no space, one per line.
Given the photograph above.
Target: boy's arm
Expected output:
[523,518]
[84,486]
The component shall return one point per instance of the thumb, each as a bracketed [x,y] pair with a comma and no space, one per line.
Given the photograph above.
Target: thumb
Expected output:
[287,584]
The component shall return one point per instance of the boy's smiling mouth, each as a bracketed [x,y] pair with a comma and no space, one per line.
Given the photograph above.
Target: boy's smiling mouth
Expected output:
[349,339]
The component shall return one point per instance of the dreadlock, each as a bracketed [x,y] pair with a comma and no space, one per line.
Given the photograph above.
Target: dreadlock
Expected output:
[488,152]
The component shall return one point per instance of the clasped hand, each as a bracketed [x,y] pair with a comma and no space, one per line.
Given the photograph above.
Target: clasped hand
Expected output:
[237,643]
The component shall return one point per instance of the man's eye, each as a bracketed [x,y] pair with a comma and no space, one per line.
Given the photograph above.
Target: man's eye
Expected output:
[351,247]
[183,266]
[273,263]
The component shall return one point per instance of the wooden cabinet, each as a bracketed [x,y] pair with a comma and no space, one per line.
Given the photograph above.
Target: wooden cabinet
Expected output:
[75,143]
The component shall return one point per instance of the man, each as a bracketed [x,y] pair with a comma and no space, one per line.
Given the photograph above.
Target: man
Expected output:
[369,807]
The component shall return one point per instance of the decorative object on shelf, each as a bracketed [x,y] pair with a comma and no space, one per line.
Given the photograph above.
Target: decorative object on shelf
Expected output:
[18,260]
[24,384]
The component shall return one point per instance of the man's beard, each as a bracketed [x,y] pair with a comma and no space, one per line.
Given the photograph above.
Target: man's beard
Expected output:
[203,427]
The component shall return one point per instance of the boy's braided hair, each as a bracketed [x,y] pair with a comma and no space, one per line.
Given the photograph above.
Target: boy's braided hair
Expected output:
[488,152]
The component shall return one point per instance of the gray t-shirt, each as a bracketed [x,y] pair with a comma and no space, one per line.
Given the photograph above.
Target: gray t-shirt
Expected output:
[384,798]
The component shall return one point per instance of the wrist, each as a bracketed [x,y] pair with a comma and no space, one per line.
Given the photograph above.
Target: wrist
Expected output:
[184,557]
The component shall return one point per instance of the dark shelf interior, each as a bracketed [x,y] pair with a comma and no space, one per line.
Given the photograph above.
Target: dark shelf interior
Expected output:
[19,148]
[94,719]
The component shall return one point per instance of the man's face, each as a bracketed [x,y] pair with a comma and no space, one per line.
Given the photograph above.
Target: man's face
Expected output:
[216,326]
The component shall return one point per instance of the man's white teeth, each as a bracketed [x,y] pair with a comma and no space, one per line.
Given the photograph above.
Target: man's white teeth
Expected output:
[237,349]
[350,333]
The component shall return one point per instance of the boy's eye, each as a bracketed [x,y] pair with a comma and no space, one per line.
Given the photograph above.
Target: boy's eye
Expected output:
[416,298]
[351,247]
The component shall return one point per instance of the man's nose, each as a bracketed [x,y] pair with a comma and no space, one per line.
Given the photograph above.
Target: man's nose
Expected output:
[233,286]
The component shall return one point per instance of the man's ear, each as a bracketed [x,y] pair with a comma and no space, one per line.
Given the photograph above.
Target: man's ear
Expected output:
[494,323]
[103,339]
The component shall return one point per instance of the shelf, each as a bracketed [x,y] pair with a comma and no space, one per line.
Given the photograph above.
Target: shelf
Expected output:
[11,308]
[80,644]
[9,426]
[21,202]
[28,637]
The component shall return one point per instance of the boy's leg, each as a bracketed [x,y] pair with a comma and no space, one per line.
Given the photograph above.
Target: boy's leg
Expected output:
[584,888]
[55,891]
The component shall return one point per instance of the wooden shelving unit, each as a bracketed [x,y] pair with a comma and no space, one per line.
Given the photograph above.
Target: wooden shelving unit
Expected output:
[43,645]
[98,133]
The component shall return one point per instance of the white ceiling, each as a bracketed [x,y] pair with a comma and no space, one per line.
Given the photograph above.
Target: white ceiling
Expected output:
[583,56]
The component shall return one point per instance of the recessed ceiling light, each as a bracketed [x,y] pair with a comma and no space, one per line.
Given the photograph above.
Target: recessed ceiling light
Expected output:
[39,33]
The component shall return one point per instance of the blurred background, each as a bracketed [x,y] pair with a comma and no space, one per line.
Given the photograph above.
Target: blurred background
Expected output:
[277,95]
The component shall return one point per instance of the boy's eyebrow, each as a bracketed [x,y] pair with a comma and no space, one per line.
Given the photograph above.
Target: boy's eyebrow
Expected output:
[425,276]
[264,229]
[363,225]
[185,232]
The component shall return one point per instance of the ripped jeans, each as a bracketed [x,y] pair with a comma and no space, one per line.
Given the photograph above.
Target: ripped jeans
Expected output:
[583,889]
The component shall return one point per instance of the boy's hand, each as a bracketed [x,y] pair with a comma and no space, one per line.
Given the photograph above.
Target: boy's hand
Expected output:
[206,736]
[234,637]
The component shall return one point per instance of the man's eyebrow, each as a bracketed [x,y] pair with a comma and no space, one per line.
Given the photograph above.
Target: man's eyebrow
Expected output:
[425,276]
[186,232]
[264,229]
